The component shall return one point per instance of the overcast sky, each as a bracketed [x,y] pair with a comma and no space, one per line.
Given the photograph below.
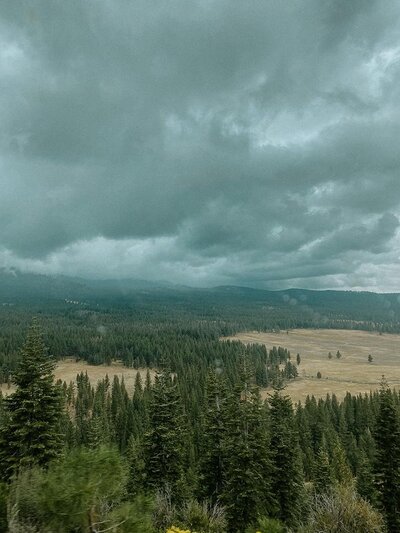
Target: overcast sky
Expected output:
[202,142]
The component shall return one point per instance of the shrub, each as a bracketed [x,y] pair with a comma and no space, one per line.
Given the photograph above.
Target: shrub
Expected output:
[165,512]
[192,516]
[132,516]
[267,525]
[74,494]
[342,510]
[203,517]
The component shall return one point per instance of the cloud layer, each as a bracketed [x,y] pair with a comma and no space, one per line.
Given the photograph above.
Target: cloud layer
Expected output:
[202,142]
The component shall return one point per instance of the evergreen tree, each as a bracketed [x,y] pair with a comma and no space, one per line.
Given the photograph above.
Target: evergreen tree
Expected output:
[211,459]
[305,441]
[387,463]
[163,442]
[365,480]
[99,430]
[340,466]
[323,474]
[31,434]
[247,466]
[83,406]
[120,412]
[287,480]
[138,388]
[136,465]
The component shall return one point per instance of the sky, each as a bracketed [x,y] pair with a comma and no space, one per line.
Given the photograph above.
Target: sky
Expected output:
[202,142]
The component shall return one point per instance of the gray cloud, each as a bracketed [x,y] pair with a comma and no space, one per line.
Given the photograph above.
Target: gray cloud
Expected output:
[204,142]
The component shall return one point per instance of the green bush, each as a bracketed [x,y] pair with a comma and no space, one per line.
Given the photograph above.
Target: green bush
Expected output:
[133,517]
[342,510]
[84,489]
[267,525]
[202,517]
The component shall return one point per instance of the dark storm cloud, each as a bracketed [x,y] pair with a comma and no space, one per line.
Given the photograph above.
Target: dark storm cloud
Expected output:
[207,142]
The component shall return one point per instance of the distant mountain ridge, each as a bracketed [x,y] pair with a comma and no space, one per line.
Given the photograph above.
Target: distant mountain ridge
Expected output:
[301,307]
[15,284]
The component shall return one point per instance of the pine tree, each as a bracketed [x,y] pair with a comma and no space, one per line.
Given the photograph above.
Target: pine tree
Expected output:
[340,466]
[305,441]
[138,388]
[246,464]
[323,475]
[287,482]
[31,434]
[119,412]
[387,463]
[211,459]
[99,429]
[163,442]
[83,406]
[136,465]
[365,480]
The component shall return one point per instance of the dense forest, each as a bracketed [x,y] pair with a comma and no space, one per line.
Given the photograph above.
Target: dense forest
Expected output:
[195,449]
[213,458]
[140,323]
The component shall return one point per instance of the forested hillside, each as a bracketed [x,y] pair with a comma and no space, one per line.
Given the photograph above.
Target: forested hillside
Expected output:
[139,322]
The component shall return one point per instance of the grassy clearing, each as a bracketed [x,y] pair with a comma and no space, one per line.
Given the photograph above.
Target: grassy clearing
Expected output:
[351,373]
[67,370]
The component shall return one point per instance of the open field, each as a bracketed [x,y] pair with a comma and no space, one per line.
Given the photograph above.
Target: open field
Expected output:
[67,369]
[351,372]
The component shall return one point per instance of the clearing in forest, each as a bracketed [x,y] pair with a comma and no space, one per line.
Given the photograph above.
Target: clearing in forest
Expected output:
[67,370]
[351,373]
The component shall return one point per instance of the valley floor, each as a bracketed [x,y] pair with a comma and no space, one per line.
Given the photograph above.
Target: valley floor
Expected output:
[351,373]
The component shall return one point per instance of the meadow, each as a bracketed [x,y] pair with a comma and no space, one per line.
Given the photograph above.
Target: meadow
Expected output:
[351,373]
[68,368]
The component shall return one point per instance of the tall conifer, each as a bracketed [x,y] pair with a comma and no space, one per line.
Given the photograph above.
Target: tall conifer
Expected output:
[247,466]
[211,459]
[163,442]
[387,463]
[287,481]
[31,431]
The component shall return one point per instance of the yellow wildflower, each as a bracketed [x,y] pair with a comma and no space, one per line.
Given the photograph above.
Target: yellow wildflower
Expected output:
[174,529]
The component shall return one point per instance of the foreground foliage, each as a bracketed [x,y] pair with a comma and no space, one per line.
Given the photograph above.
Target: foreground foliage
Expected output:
[342,511]
[387,460]
[84,491]
[30,433]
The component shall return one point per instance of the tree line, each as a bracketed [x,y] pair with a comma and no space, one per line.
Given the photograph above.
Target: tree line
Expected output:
[143,329]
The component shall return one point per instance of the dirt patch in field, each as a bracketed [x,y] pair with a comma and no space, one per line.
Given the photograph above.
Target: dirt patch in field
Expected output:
[351,373]
[67,370]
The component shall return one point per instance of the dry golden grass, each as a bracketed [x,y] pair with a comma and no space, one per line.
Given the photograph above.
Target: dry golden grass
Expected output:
[67,369]
[352,373]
